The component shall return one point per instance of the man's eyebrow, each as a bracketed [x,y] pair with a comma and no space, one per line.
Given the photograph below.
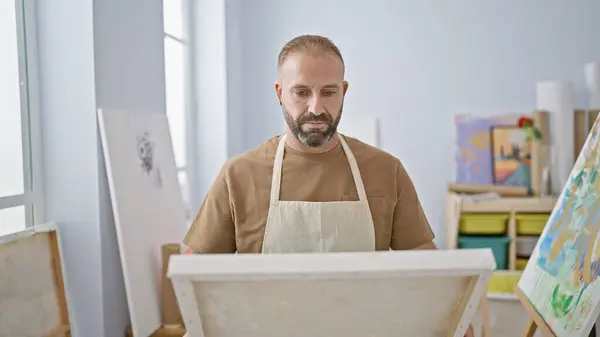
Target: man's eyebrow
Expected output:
[303,86]
[299,86]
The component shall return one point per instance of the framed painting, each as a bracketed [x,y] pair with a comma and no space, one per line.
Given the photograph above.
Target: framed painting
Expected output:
[511,156]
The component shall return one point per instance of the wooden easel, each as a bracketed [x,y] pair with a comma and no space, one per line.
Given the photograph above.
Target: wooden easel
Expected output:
[485,317]
[535,321]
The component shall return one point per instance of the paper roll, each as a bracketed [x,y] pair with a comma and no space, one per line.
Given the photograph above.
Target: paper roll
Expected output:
[592,79]
[540,154]
[557,98]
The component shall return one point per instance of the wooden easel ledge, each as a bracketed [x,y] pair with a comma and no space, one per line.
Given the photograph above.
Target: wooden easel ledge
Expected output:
[505,191]
[61,331]
[170,331]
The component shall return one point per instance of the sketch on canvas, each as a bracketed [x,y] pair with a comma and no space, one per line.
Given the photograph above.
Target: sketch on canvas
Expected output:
[561,278]
[145,150]
[511,156]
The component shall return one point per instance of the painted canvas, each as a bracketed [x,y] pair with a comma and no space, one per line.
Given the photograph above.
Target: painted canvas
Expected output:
[473,141]
[561,278]
[511,156]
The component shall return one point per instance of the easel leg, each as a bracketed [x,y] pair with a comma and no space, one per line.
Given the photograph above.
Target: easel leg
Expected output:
[531,328]
[485,316]
[536,322]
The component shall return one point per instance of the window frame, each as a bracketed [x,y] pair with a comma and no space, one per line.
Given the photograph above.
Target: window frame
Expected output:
[33,196]
[188,85]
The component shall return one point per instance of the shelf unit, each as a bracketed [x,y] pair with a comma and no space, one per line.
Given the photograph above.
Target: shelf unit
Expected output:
[457,204]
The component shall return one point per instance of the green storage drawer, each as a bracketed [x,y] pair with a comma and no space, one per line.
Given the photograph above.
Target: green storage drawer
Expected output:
[498,244]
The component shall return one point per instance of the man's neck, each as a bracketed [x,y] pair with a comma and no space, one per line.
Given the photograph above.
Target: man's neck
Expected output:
[295,144]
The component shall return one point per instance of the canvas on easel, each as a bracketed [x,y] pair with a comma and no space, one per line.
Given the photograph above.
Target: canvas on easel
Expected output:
[147,204]
[560,284]
[425,293]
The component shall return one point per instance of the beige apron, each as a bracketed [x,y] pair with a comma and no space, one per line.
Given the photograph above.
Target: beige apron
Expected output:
[301,226]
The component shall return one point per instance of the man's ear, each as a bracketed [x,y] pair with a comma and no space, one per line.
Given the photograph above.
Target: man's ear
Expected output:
[278,91]
[345,85]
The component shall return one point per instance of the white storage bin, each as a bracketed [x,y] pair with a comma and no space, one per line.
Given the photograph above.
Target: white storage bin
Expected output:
[526,245]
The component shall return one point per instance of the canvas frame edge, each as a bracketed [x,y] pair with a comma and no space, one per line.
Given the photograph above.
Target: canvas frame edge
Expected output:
[51,228]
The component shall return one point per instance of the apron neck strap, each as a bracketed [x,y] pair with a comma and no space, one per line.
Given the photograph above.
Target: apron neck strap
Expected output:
[278,167]
[358,182]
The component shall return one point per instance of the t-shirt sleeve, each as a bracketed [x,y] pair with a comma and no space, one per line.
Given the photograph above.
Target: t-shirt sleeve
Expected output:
[213,229]
[410,228]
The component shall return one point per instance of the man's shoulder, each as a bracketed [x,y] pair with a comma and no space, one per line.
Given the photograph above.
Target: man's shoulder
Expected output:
[367,153]
[256,158]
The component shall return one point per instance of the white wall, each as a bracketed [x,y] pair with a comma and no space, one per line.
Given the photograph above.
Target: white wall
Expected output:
[217,53]
[130,75]
[103,53]
[209,66]
[415,64]
[68,102]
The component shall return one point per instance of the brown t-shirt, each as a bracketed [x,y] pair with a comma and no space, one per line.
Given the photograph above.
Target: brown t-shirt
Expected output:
[233,216]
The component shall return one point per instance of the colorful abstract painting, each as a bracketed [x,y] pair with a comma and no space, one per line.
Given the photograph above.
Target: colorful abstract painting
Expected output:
[561,278]
[473,143]
[511,156]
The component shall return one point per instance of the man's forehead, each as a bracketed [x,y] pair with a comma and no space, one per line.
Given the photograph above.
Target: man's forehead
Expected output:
[312,69]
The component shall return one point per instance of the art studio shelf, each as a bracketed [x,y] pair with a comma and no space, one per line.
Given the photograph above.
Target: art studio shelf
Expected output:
[510,226]
[514,204]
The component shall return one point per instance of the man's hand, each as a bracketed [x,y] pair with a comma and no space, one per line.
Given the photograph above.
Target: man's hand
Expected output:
[469,332]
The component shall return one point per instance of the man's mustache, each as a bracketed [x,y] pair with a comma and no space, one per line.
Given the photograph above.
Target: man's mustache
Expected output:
[314,118]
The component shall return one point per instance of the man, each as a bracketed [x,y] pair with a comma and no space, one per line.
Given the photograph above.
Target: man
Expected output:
[311,189]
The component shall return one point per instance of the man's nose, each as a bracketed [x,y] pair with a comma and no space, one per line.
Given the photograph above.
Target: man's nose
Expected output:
[316,106]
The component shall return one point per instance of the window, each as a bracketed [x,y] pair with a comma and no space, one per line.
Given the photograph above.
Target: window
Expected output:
[20,194]
[176,82]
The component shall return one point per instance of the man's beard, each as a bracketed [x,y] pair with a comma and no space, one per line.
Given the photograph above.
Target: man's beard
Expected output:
[316,137]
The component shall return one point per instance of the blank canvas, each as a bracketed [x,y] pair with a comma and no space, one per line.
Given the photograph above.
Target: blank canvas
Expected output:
[147,205]
[408,293]
[363,128]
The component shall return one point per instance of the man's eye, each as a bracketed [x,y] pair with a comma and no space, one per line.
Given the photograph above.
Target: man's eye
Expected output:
[302,93]
[329,93]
